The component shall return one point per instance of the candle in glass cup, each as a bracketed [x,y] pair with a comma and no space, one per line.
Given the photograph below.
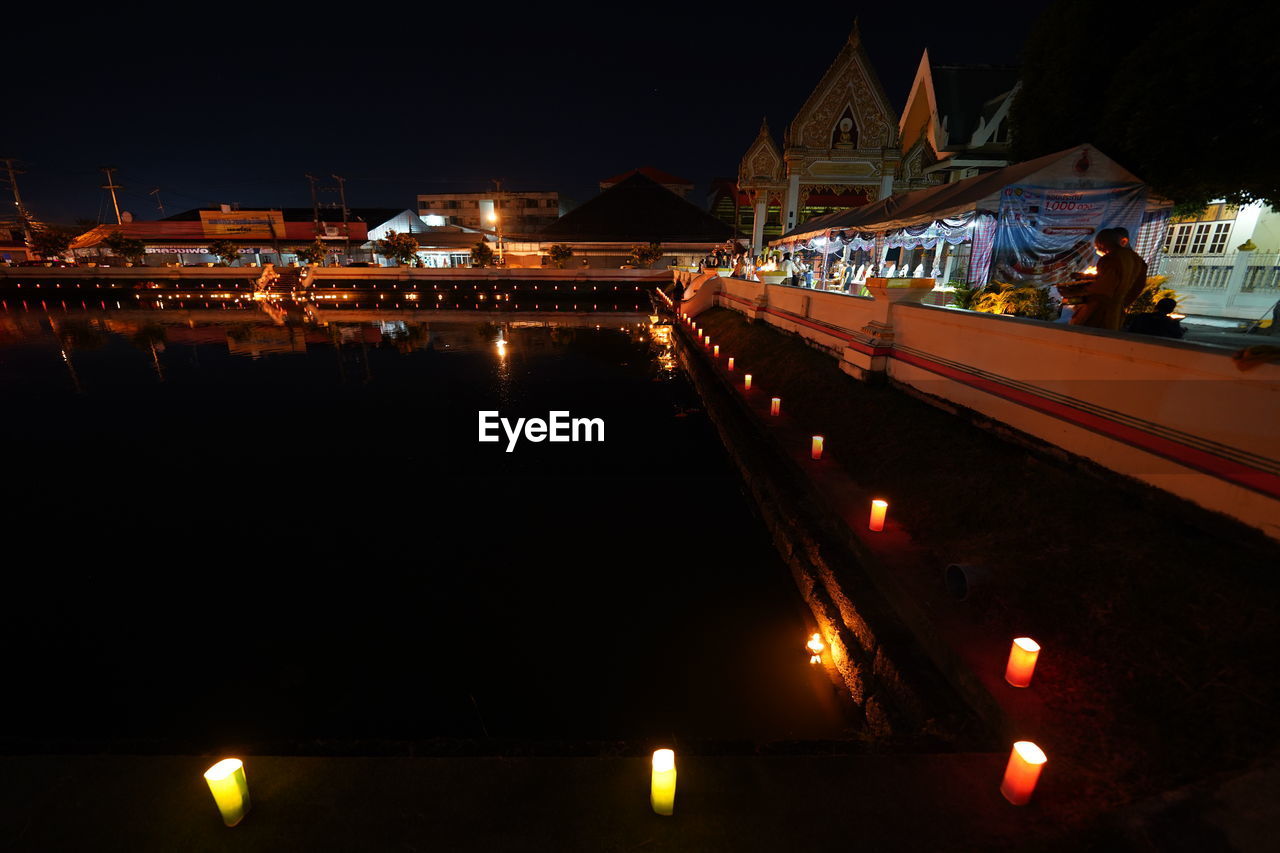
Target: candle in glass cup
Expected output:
[878,510]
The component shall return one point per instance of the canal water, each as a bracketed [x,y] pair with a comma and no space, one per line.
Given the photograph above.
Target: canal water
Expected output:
[228,529]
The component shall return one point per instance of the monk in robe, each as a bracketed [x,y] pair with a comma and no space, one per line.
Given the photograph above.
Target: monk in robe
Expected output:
[1119,269]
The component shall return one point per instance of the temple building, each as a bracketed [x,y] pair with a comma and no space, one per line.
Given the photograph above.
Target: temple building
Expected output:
[841,151]
[956,122]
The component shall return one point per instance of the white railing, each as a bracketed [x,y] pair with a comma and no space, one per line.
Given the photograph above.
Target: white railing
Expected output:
[1197,272]
[1262,274]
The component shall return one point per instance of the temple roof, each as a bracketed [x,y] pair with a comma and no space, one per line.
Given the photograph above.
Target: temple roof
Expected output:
[649,172]
[637,210]
[967,93]
[850,80]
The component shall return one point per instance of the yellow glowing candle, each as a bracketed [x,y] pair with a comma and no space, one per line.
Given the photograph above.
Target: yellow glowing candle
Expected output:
[706,341]
[230,789]
[1022,773]
[662,791]
[715,351]
[775,407]
[878,510]
[731,362]
[815,450]
[746,382]
[815,648]
[1022,662]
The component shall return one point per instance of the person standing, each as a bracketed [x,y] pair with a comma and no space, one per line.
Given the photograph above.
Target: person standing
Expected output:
[1139,282]
[790,268]
[1104,297]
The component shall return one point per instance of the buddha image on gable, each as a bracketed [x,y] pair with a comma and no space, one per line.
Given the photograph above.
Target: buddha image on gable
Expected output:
[843,135]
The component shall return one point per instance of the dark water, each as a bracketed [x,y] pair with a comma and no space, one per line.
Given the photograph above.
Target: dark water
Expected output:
[239,532]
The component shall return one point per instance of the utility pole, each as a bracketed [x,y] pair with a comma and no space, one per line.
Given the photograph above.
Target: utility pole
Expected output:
[23,216]
[156,192]
[346,229]
[113,186]
[315,204]
[498,202]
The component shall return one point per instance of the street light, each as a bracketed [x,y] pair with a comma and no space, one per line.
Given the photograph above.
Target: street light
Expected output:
[494,219]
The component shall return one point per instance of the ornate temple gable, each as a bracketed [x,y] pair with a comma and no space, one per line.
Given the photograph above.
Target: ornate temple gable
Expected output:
[850,88]
[920,115]
[918,158]
[762,163]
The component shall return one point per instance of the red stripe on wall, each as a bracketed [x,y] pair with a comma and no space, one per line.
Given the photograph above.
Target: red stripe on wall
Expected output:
[1230,470]
[1239,473]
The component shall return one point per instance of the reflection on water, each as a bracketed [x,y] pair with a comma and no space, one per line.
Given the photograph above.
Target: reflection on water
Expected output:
[294,511]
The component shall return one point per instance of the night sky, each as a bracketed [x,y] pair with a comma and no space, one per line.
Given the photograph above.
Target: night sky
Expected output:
[237,104]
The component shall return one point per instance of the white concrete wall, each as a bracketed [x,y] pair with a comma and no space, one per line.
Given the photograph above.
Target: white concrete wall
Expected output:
[1181,417]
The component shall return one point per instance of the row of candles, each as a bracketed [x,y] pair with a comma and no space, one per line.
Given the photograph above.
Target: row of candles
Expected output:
[230,787]
[879,507]
[1026,758]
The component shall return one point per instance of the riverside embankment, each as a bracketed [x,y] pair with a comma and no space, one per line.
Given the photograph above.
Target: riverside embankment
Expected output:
[1139,689]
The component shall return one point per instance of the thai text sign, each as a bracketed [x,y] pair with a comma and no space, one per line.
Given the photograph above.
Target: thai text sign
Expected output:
[243,223]
[1046,233]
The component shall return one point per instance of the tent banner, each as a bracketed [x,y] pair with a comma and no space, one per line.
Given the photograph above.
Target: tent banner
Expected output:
[1046,233]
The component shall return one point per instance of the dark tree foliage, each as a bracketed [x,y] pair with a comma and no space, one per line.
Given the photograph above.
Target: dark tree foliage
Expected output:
[1181,94]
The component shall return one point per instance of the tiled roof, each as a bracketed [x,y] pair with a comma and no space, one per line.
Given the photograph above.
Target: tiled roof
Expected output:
[638,210]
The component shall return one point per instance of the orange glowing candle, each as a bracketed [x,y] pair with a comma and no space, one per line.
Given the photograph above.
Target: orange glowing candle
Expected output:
[878,510]
[1022,662]
[1022,773]
[731,362]
[746,382]
[706,341]
[775,407]
[715,351]
[815,450]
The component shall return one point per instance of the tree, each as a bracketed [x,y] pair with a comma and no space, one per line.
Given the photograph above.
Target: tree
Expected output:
[400,248]
[224,249]
[481,255]
[559,253]
[643,256]
[313,254]
[51,242]
[130,249]
[1141,87]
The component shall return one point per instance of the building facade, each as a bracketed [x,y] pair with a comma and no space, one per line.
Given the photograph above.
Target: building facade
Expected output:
[1224,261]
[840,152]
[955,123]
[520,212]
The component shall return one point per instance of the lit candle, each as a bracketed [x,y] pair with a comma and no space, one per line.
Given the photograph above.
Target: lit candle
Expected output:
[1022,662]
[662,791]
[815,451]
[715,351]
[229,788]
[815,648]
[878,509]
[746,382]
[775,407]
[1022,773]
[731,363]
[706,341]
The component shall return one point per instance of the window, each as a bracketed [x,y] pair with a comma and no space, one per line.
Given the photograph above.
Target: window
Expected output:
[1218,242]
[1198,238]
[551,202]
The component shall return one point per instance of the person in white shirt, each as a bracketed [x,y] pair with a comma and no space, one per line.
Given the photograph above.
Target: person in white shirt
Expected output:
[791,268]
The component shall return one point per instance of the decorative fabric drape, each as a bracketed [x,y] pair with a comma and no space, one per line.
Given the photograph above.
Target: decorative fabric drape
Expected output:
[1150,237]
[984,240]
[955,230]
